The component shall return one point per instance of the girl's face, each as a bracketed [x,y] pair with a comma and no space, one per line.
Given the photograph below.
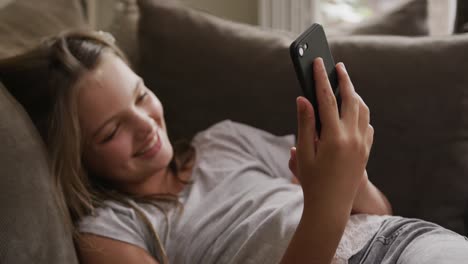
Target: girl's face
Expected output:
[122,124]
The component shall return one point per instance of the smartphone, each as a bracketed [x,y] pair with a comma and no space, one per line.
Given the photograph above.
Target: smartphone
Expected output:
[308,46]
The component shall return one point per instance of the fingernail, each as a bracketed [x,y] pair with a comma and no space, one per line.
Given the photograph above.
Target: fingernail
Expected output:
[317,64]
[343,66]
[293,152]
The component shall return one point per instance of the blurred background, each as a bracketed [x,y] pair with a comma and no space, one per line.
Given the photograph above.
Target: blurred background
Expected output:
[297,15]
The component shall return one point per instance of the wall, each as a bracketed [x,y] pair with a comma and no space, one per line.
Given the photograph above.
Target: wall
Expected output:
[442,16]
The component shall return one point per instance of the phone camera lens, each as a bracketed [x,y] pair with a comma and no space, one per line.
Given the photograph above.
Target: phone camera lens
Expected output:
[301,51]
[305,46]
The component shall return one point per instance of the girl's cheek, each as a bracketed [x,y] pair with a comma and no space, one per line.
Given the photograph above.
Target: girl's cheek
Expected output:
[120,147]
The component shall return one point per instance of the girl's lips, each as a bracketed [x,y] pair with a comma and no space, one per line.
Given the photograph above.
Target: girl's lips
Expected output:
[153,150]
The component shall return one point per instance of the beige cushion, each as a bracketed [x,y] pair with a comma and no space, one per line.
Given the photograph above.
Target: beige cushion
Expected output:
[24,22]
[31,227]
[205,69]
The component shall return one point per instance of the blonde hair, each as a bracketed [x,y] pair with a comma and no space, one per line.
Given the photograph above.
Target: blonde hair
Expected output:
[44,81]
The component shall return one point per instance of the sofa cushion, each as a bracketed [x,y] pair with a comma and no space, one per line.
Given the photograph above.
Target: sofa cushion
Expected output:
[124,28]
[205,69]
[23,22]
[417,91]
[31,226]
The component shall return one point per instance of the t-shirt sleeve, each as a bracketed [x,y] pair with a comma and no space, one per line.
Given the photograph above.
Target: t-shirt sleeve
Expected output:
[119,223]
[241,140]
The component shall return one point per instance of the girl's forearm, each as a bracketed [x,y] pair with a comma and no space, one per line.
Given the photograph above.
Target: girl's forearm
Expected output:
[319,232]
[371,201]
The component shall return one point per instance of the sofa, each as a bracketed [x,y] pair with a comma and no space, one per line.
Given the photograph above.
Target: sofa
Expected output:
[205,69]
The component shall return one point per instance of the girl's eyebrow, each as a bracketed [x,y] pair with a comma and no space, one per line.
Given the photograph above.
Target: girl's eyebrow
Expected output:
[135,94]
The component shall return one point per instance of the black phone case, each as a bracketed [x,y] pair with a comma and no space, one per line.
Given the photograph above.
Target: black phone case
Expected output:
[317,46]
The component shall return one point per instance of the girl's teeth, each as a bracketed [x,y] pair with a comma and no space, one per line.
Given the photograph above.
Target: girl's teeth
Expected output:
[150,145]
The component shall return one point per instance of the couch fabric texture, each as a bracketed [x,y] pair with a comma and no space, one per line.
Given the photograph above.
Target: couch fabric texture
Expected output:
[31,226]
[23,23]
[417,92]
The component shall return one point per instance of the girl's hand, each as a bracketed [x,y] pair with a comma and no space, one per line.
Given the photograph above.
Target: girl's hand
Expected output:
[368,200]
[293,166]
[334,164]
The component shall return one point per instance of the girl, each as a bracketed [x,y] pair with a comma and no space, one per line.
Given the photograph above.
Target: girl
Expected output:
[228,196]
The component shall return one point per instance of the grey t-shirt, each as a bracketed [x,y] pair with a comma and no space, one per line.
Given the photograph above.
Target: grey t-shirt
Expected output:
[241,208]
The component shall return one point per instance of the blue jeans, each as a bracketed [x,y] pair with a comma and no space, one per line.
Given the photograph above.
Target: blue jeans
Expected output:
[406,240]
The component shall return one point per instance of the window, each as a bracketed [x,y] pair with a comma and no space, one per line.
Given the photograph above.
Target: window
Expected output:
[297,15]
[338,12]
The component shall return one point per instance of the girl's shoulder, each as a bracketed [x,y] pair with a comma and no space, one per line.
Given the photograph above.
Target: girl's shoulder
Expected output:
[114,220]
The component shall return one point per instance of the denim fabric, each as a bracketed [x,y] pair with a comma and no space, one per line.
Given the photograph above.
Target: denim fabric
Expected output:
[406,240]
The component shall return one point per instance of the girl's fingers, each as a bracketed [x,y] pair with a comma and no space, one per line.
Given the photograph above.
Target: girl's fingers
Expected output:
[364,115]
[349,98]
[353,110]
[370,136]
[306,128]
[293,161]
[293,153]
[326,100]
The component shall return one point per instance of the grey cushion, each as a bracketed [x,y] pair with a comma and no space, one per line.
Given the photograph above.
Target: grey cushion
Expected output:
[416,89]
[23,23]
[31,228]
[205,69]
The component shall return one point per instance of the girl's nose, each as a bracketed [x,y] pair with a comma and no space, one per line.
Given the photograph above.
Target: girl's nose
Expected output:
[145,125]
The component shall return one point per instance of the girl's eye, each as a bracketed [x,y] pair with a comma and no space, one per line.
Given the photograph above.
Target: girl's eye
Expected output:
[108,138]
[141,97]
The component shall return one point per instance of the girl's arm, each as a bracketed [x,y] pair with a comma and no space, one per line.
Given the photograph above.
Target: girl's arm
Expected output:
[370,200]
[330,168]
